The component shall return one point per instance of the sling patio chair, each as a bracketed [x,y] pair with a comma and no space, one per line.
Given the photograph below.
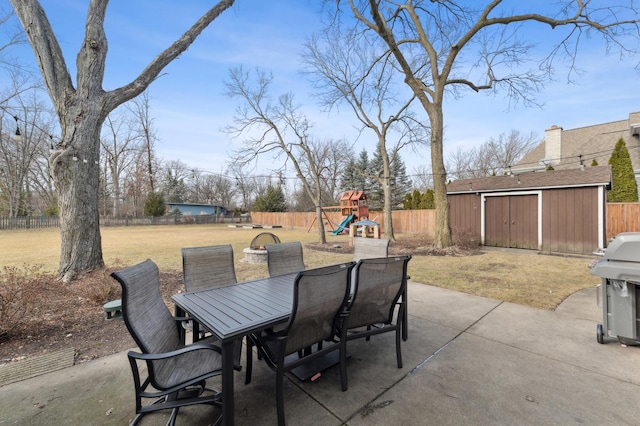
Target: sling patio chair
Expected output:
[175,374]
[367,248]
[206,267]
[380,292]
[284,258]
[319,300]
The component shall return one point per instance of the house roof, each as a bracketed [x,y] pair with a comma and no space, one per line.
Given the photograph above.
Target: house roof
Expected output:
[588,143]
[590,176]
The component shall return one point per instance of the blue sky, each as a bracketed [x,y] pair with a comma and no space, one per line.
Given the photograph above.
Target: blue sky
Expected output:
[190,110]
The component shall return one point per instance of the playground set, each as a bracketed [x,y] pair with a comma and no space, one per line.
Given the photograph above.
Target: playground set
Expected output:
[354,210]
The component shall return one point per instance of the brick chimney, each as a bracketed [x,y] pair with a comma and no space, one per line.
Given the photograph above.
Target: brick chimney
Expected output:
[553,144]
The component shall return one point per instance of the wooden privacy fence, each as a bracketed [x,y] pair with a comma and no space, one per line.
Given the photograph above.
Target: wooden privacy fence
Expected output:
[404,221]
[622,217]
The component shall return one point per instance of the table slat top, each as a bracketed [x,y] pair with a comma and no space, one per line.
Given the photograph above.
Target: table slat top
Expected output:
[238,309]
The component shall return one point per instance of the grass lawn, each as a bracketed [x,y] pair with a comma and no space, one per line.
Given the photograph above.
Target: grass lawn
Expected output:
[522,277]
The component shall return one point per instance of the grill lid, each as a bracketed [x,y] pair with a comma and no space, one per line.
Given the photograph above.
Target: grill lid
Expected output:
[621,260]
[624,247]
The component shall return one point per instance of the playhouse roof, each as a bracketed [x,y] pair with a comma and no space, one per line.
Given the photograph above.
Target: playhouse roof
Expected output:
[353,195]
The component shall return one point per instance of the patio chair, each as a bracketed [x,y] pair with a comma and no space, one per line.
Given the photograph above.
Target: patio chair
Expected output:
[368,248]
[284,258]
[206,267]
[319,301]
[176,374]
[379,285]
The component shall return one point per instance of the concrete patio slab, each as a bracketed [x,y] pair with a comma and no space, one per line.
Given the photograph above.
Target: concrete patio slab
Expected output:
[468,360]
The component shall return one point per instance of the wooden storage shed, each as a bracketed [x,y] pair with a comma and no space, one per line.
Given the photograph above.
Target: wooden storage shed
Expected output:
[560,211]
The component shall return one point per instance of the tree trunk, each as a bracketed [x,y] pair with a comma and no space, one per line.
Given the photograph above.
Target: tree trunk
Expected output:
[76,180]
[443,231]
[388,219]
[322,238]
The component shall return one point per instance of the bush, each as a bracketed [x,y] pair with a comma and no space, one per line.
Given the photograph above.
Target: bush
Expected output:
[20,291]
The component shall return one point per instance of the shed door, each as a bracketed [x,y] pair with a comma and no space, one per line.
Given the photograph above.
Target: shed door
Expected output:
[511,221]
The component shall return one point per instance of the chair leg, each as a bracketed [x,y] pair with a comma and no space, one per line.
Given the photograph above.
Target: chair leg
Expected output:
[280,394]
[343,366]
[398,349]
[172,418]
[247,376]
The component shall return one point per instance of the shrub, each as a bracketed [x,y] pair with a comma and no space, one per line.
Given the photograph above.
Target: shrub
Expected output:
[18,300]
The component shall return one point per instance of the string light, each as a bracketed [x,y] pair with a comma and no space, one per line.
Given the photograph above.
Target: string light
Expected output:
[17,136]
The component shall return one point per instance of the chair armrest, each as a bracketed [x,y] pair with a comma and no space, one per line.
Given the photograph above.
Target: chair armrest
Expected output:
[177,352]
[182,319]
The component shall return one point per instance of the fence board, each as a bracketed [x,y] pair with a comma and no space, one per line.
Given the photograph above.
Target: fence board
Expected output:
[622,217]
[404,221]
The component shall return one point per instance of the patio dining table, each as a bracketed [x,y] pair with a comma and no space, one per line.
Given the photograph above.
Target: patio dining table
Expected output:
[233,311]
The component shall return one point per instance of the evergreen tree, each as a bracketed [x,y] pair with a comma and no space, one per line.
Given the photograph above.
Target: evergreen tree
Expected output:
[594,162]
[415,199]
[154,205]
[174,188]
[349,176]
[400,183]
[362,167]
[375,191]
[352,178]
[272,201]
[624,185]
[407,203]
[428,200]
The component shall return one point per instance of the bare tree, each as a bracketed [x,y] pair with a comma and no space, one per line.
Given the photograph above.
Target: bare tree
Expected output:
[278,128]
[494,157]
[22,147]
[422,177]
[454,46]
[81,110]
[328,155]
[347,70]
[211,188]
[245,185]
[140,108]
[120,146]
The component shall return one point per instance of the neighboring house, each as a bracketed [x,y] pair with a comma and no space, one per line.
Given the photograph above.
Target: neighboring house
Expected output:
[195,209]
[573,148]
[560,211]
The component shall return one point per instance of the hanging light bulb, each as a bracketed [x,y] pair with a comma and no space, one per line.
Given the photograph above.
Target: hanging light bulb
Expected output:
[17,136]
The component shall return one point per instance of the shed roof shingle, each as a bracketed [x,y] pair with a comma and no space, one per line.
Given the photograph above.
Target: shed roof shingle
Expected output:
[590,176]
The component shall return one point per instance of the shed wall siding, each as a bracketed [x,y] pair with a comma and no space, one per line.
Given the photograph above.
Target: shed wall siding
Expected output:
[570,220]
[464,215]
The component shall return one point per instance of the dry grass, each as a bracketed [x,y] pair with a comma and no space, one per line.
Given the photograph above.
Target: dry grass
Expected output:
[521,277]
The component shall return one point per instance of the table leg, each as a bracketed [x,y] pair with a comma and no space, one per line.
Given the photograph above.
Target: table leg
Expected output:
[227,382]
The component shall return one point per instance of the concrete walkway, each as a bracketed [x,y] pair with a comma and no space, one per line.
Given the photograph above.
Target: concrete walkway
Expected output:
[468,360]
